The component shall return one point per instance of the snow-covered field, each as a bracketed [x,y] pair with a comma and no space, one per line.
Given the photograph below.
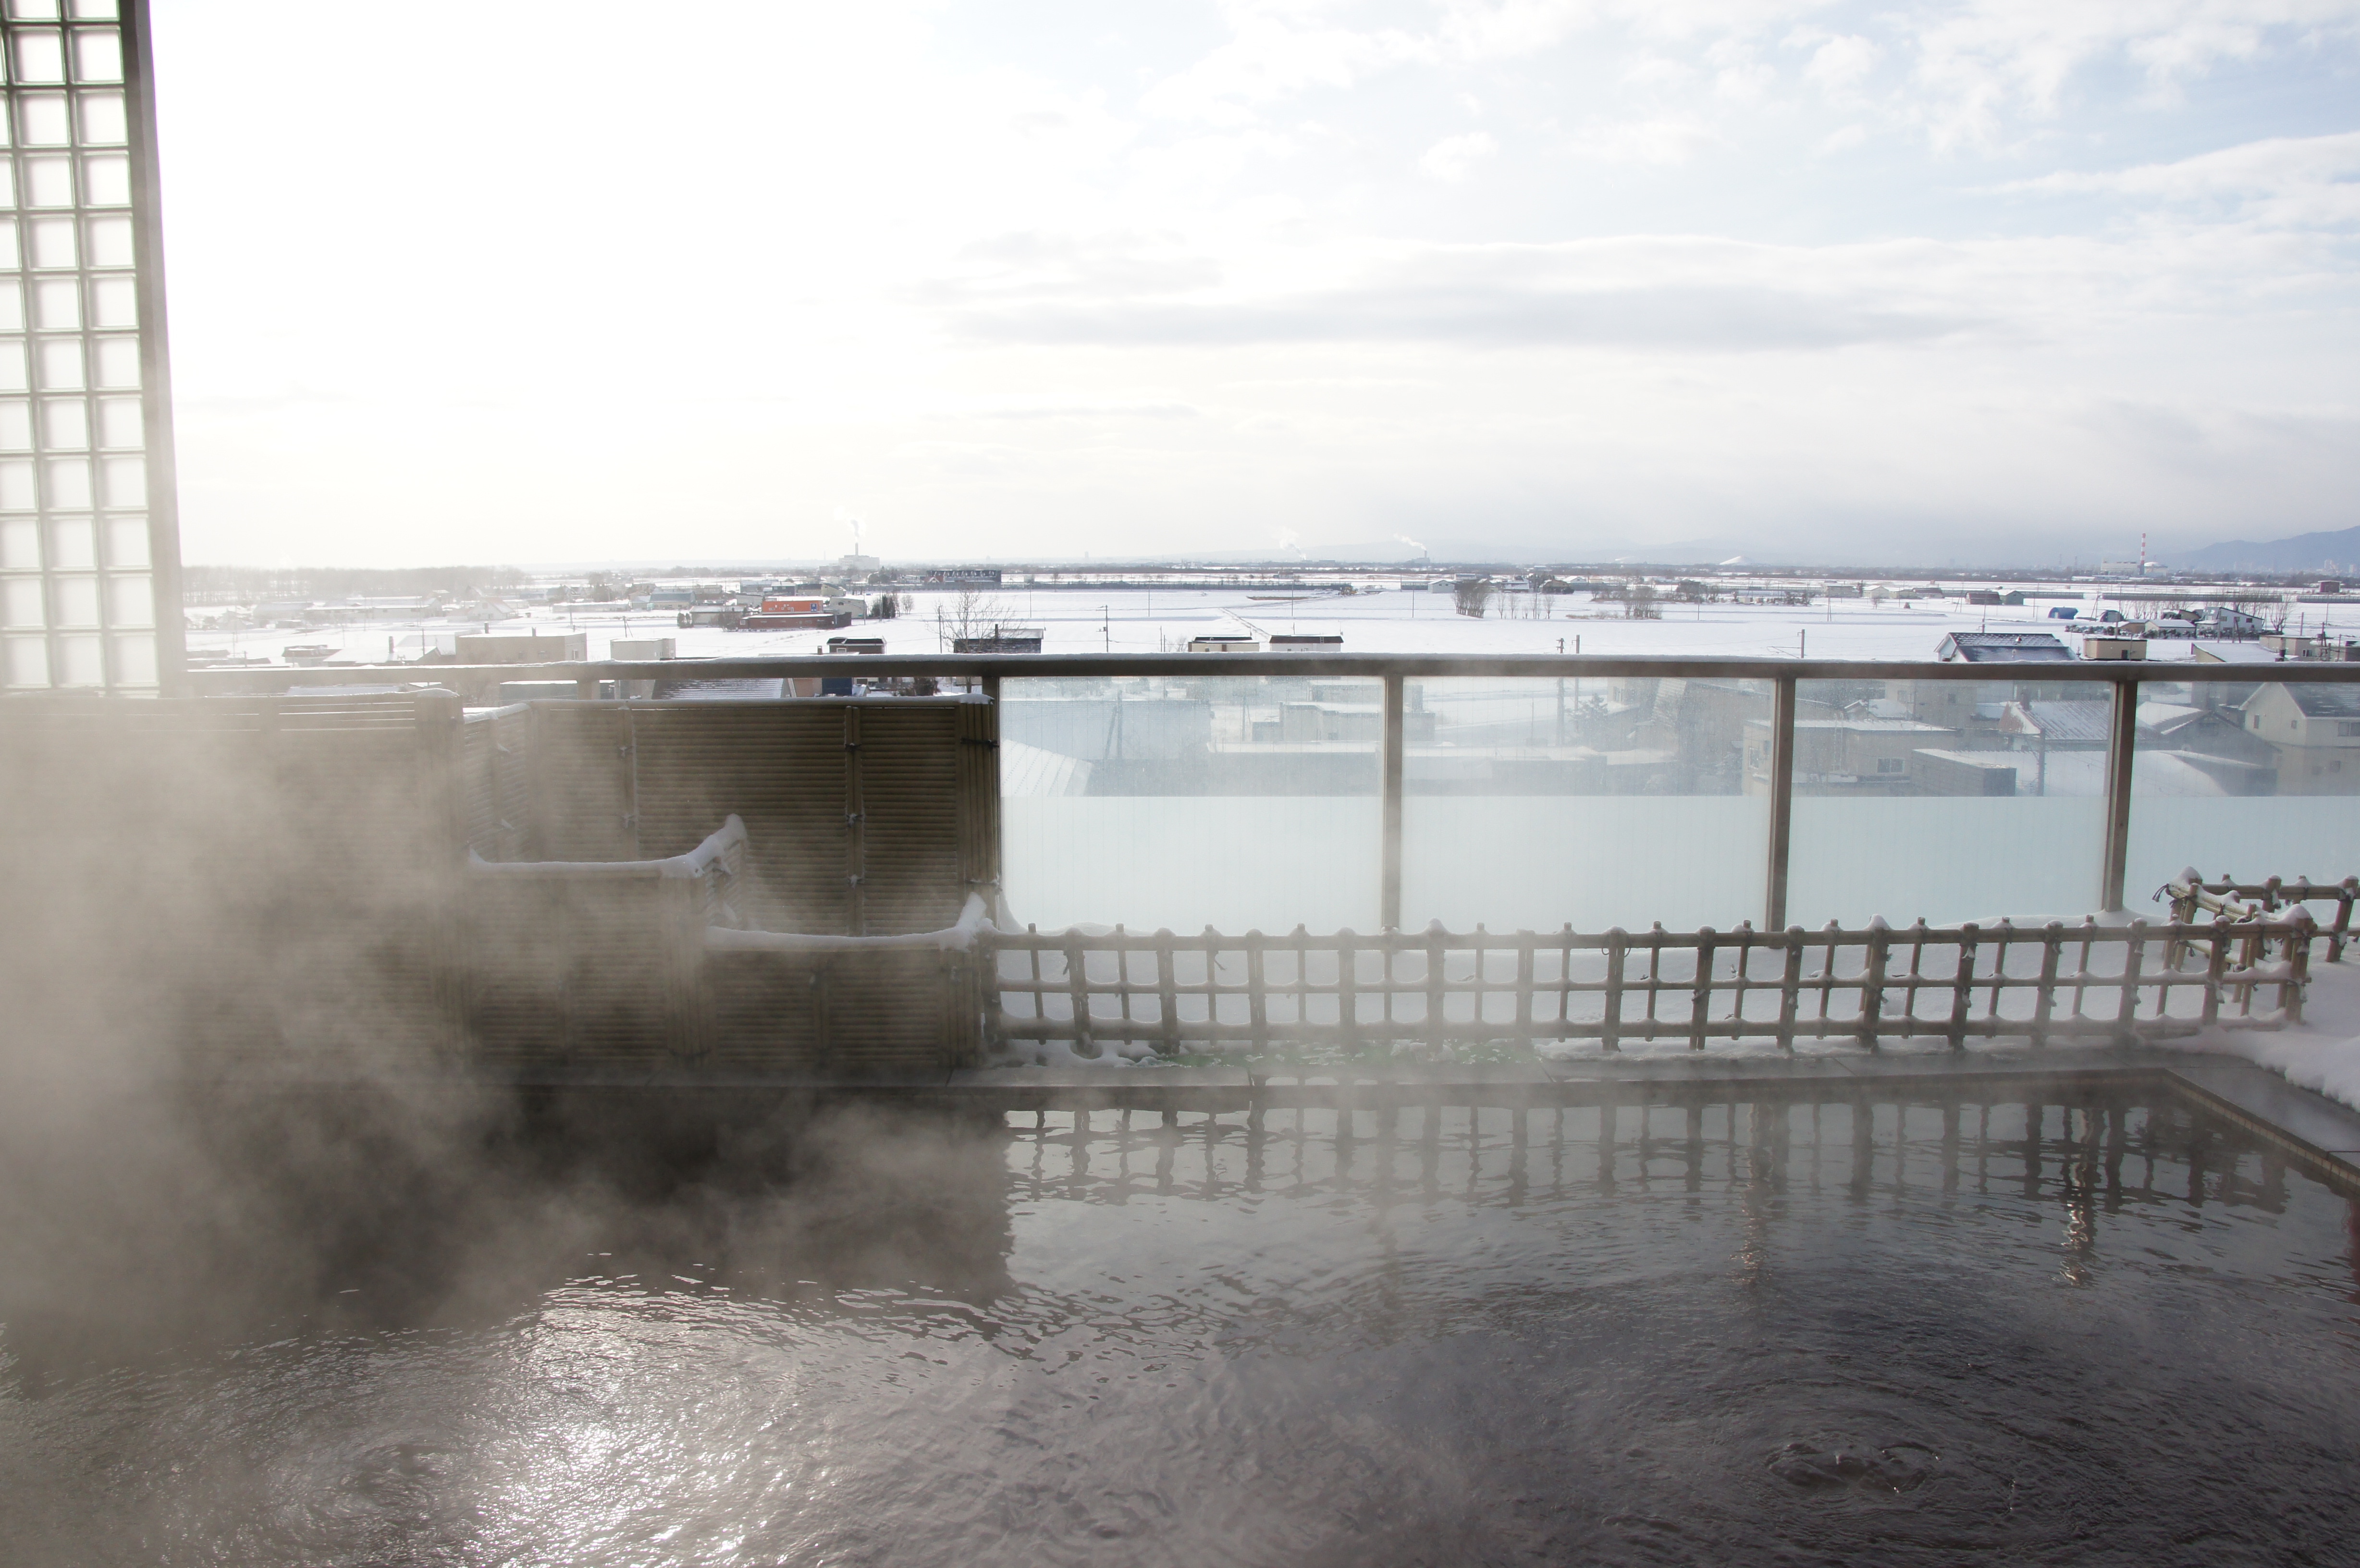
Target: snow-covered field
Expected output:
[1388,620]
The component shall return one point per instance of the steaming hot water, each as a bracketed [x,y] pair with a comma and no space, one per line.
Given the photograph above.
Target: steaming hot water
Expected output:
[1732,1334]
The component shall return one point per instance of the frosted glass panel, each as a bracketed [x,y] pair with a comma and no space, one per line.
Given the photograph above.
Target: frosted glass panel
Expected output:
[98,54]
[119,422]
[114,303]
[82,661]
[20,602]
[65,424]
[69,481]
[1238,803]
[40,56]
[2244,780]
[130,600]
[116,362]
[135,659]
[106,180]
[1945,801]
[102,121]
[49,243]
[27,660]
[1532,804]
[72,544]
[57,304]
[110,242]
[74,601]
[69,277]
[126,541]
[126,481]
[41,120]
[48,181]
[60,362]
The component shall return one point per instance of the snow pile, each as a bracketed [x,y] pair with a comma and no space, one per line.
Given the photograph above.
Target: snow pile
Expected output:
[2323,1052]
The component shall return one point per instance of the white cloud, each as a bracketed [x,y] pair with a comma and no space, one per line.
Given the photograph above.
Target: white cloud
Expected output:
[1450,159]
[2289,182]
[1841,63]
[1656,142]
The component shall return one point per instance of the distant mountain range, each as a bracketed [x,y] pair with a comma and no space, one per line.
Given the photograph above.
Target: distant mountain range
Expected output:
[2337,552]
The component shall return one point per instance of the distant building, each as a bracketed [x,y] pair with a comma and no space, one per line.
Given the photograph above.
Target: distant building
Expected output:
[1002,640]
[963,577]
[498,648]
[2228,621]
[1224,643]
[2315,731]
[781,614]
[1288,643]
[1845,757]
[2003,647]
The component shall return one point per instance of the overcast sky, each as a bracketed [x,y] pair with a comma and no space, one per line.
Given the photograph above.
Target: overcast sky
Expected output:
[537,283]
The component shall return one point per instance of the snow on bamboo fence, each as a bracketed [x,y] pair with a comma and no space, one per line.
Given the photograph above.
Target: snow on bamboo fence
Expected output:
[1175,994]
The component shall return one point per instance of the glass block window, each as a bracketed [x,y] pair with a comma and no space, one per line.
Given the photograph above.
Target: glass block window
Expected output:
[89,541]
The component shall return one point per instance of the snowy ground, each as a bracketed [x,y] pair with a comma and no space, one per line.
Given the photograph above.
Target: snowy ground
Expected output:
[2323,1052]
[1387,621]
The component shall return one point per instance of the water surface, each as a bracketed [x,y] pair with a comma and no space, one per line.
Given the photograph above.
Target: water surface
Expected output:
[2101,1333]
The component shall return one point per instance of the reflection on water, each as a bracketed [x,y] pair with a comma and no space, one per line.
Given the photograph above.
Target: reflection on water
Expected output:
[1709,1332]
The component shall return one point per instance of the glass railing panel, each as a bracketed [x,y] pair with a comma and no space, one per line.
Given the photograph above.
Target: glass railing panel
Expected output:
[1537,803]
[1241,803]
[2246,779]
[1947,801]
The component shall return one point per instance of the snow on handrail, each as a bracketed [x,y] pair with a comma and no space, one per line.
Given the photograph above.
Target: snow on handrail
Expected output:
[724,848]
[960,936]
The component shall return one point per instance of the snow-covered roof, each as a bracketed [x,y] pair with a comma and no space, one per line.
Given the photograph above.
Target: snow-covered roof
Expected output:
[2000,647]
[2072,720]
[2319,702]
[2233,653]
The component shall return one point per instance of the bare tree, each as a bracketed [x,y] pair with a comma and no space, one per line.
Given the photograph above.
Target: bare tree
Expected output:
[969,613]
[1470,594]
[1639,602]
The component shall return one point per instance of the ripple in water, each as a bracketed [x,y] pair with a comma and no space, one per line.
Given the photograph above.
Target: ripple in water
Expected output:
[2101,1333]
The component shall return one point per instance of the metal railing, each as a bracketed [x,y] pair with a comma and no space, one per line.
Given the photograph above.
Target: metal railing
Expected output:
[985,671]
[1178,994]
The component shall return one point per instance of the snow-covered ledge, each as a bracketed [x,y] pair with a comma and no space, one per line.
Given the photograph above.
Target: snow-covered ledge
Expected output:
[2323,1052]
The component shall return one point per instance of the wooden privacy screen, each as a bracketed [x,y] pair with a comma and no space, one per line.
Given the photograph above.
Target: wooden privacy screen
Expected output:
[288,877]
[864,816]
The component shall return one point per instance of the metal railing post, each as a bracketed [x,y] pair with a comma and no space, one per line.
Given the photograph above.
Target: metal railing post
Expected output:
[1389,899]
[2122,741]
[1782,801]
